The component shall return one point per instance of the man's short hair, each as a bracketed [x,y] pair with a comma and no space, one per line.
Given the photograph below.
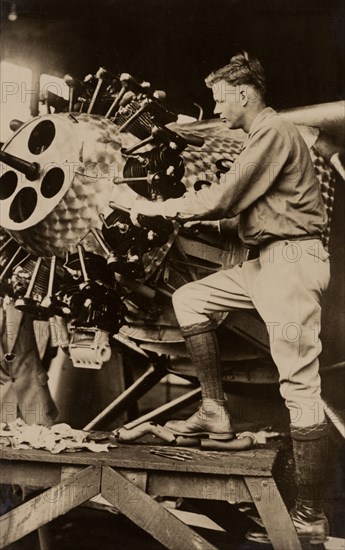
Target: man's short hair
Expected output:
[242,69]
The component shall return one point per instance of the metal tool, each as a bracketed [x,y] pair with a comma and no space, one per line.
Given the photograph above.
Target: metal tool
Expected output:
[155,223]
[193,453]
[173,455]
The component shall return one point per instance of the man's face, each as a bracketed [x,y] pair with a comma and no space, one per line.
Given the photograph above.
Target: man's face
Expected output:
[228,103]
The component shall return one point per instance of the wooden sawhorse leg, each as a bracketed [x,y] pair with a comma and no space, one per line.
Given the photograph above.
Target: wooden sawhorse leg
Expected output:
[270,506]
[148,514]
[54,502]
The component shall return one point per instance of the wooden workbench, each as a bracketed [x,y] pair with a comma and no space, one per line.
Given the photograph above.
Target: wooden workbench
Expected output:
[128,475]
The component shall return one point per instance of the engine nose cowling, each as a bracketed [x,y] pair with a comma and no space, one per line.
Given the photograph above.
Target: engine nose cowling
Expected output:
[50,199]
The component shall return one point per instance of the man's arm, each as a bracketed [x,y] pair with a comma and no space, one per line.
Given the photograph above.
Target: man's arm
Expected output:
[251,175]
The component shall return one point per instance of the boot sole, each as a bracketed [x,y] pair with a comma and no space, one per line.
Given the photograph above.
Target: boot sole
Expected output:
[313,541]
[266,540]
[262,538]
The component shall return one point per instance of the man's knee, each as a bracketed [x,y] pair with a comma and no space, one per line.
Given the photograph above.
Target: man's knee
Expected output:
[182,297]
[305,411]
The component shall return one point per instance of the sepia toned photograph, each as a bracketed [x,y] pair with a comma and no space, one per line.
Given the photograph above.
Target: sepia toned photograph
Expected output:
[172,274]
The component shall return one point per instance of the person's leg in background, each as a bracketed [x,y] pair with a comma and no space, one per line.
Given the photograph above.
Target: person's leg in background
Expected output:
[24,391]
[196,306]
[8,413]
[29,379]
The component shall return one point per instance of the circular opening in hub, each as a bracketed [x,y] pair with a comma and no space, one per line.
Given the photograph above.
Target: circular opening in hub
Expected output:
[8,184]
[23,205]
[52,182]
[41,137]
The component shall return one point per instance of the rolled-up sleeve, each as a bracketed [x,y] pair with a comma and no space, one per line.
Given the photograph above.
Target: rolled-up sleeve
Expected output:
[251,175]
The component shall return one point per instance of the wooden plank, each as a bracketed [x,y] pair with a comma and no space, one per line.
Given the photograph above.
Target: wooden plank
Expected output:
[210,487]
[149,514]
[270,506]
[49,505]
[138,478]
[30,474]
[254,462]
[68,471]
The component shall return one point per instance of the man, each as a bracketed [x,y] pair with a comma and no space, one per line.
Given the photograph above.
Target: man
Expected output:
[273,187]
[24,391]
[23,380]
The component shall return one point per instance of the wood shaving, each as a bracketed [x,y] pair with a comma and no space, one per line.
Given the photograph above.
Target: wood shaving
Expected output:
[56,438]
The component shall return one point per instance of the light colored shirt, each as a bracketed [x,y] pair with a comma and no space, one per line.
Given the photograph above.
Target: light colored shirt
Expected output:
[272,185]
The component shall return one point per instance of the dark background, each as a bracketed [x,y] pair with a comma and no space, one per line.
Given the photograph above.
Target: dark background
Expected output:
[176,43]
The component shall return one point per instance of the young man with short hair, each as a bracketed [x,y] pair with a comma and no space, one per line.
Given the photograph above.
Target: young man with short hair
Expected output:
[273,188]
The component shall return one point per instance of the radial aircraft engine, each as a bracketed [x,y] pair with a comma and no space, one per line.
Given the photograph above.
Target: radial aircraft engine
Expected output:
[68,180]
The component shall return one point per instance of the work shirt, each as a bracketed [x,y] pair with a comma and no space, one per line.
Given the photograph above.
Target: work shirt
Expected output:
[271,184]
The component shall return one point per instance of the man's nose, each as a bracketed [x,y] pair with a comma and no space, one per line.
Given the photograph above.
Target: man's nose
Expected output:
[217,110]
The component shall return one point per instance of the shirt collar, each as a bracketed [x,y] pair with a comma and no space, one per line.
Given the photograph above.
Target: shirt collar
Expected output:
[267,111]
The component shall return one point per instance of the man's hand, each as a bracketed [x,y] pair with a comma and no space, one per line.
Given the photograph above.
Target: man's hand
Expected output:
[226,227]
[145,207]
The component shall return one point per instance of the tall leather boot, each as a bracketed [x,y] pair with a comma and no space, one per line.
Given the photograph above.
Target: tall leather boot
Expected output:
[310,448]
[212,419]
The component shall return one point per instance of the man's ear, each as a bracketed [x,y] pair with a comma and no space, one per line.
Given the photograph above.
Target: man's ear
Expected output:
[244,96]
